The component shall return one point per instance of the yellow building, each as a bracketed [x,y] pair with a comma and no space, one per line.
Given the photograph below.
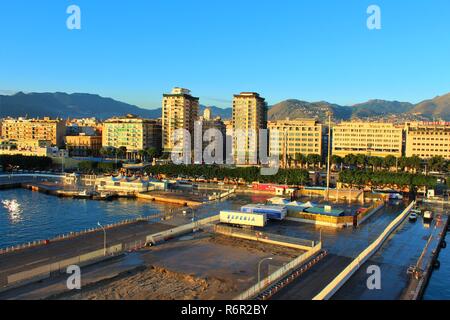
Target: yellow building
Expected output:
[427,140]
[83,145]
[179,111]
[22,129]
[368,138]
[133,133]
[249,116]
[291,137]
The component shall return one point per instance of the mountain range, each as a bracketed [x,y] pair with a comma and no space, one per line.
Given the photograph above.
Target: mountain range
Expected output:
[76,105]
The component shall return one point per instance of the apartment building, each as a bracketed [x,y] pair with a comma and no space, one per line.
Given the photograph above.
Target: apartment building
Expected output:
[46,129]
[291,137]
[179,111]
[249,116]
[83,145]
[133,133]
[368,138]
[427,139]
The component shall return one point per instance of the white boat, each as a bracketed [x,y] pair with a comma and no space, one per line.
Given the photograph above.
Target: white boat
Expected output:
[428,215]
[413,216]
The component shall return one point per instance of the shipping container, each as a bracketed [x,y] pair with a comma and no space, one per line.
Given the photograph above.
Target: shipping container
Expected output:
[242,218]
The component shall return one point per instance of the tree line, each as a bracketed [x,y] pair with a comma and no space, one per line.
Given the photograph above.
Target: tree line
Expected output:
[247,174]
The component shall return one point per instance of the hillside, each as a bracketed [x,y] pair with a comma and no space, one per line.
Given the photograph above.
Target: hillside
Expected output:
[77,105]
[294,109]
[373,108]
[437,108]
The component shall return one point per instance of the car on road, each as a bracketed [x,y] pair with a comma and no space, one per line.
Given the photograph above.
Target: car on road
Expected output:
[413,216]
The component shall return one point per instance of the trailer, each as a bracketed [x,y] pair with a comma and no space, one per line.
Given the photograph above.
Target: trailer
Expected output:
[277,212]
[243,218]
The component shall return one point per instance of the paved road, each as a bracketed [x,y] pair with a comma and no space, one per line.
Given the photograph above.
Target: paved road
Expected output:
[11,263]
[343,245]
[308,285]
[402,249]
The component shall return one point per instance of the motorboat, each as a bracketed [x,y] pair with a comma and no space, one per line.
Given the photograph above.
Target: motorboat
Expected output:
[413,216]
[428,215]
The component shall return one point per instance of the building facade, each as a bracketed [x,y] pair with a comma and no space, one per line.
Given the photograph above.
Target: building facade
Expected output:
[368,138]
[133,133]
[249,116]
[427,139]
[288,138]
[83,145]
[45,129]
[179,111]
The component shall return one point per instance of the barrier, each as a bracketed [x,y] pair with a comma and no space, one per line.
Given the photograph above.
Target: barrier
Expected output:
[340,280]
[278,274]
[187,228]
[46,270]
[270,238]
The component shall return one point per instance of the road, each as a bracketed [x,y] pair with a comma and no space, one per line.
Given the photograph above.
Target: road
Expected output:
[343,246]
[401,250]
[128,235]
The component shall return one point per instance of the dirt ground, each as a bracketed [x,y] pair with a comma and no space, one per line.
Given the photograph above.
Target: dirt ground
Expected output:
[156,283]
[201,267]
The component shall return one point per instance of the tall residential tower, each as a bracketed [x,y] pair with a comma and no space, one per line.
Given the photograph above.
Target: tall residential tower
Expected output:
[179,111]
[249,116]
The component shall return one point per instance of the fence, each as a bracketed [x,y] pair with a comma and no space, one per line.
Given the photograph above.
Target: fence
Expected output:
[167,234]
[76,234]
[60,266]
[276,239]
[339,281]
[281,272]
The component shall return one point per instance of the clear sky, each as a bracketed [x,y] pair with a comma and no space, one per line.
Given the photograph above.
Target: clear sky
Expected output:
[136,50]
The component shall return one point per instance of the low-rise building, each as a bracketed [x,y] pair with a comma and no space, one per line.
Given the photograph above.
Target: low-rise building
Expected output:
[133,133]
[427,139]
[22,129]
[288,138]
[368,138]
[83,145]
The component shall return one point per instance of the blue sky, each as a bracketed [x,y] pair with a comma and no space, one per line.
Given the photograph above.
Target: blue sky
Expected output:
[312,50]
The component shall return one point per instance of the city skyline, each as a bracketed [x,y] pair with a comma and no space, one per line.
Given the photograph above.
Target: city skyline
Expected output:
[311,52]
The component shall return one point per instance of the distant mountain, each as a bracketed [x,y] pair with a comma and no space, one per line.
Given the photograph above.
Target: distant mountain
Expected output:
[373,108]
[78,105]
[437,108]
[295,109]
[65,105]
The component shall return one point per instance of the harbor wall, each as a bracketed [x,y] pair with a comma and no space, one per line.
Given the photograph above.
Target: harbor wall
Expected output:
[342,278]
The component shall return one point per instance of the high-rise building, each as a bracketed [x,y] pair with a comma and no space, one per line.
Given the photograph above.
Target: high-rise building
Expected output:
[288,138]
[427,139]
[368,138]
[179,111]
[249,116]
[45,129]
[133,133]
[208,122]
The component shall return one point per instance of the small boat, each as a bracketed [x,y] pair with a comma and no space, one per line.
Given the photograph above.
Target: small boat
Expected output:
[428,215]
[413,216]
[83,195]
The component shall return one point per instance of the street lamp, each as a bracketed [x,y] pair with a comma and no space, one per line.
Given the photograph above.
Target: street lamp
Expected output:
[104,238]
[259,269]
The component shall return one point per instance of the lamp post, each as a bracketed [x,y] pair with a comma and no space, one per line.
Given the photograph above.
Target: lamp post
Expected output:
[259,269]
[104,238]
[329,155]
